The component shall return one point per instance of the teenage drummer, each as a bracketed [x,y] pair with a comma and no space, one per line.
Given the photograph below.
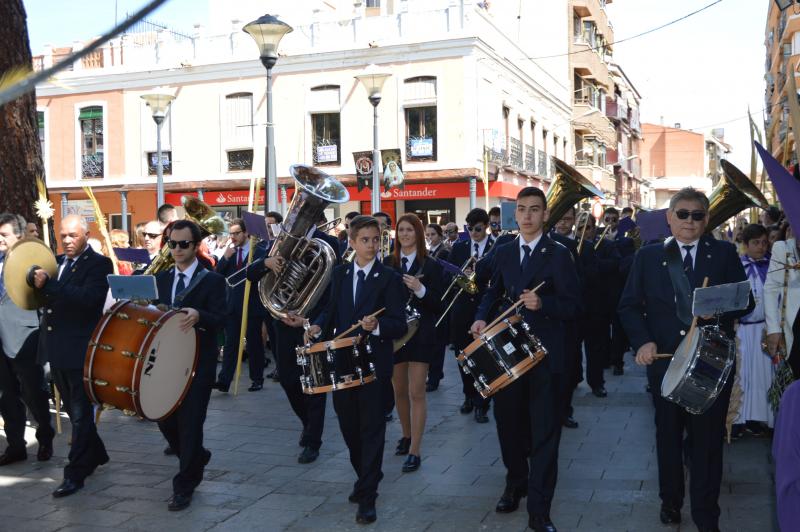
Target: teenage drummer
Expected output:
[655,310]
[198,292]
[356,292]
[527,410]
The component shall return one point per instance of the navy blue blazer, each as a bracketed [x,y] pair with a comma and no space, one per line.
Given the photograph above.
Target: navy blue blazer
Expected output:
[73,306]
[462,313]
[647,306]
[430,306]
[337,311]
[602,289]
[332,241]
[552,264]
[235,296]
[204,298]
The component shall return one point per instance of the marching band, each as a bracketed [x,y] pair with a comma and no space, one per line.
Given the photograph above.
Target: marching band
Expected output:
[368,315]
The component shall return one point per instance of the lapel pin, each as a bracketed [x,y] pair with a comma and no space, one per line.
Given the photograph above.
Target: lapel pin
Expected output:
[375,274]
[708,256]
[544,249]
[664,263]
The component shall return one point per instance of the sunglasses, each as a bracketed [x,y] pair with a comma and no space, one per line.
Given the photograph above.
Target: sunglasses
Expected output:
[476,228]
[697,216]
[494,225]
[183,244]
[152,236]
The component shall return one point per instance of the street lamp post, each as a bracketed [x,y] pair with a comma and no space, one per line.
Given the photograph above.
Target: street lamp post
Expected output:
[267,32]
[159,101]
[373,81]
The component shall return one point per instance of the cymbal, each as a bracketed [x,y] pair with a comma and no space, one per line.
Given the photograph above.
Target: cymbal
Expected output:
[21,259]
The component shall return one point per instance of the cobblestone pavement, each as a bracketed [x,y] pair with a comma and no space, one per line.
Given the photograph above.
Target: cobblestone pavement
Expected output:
[607,474]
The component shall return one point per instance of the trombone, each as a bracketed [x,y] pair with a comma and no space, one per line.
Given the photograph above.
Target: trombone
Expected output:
[465,282]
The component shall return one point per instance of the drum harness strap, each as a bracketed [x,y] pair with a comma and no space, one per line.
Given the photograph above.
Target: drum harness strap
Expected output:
[201,272]
[680,283]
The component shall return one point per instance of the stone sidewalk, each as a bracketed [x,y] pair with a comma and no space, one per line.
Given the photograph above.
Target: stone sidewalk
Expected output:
[607,474]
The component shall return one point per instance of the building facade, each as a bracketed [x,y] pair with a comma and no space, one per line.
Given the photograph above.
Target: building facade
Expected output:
[622,108]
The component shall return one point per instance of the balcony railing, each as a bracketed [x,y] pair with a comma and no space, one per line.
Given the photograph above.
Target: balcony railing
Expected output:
[515,153]
[616,109]
[541,163]
[92,166]
[530,158]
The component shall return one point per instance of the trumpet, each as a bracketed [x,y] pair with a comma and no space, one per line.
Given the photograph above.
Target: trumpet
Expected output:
[349,254]
[465,282]
[324,228]
[386,243]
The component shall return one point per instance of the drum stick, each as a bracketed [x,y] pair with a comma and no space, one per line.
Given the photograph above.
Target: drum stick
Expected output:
[663,355]
[357,325]
[57,401]
[511,308]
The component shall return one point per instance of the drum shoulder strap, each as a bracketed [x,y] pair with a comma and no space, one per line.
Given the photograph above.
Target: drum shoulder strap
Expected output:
[186,291]
[680,282]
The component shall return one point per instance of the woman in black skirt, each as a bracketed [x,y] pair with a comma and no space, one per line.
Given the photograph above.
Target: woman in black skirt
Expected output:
[423,278]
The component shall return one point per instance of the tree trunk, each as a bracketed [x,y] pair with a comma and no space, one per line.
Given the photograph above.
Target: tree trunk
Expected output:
[20,151]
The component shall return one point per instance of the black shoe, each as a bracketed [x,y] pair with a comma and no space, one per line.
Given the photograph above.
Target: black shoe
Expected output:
[169,451]
[403,445]
[412,463]
[308,455]
[388,417]
[570,423]
[101,461]
[541,523]
[431,387]
[599,391]
[274,376]
[480,414]
[648,389]
[618,370]
[45,452]
[11,457]
[179,502]
[255,387]
[509,501]
[206,457]
[366,514]
[221,387]
[466,406]
[68,487]
[352,497]
[670,515]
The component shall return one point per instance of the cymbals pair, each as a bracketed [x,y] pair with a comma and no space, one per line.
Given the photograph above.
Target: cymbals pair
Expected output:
[21,260]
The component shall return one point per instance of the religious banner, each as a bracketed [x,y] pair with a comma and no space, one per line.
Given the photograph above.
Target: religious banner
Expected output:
[363,160]
[392,169]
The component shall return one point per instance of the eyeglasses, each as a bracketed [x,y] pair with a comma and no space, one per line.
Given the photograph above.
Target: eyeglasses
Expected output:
[451,231]
[495,225]
[152,236]
[476,228]
[183,244]
[697,216]
[235,233]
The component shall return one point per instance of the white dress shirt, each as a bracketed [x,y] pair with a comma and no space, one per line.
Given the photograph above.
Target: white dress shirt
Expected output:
[410,258]
[481,247]
[188,272]
[693,251]
[532,245]
[74,261]
[366,269]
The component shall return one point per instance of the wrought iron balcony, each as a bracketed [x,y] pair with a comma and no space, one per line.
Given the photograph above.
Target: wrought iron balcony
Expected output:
[92,166]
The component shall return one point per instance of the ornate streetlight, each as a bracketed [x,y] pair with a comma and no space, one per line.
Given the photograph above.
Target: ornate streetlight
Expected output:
[159,101]
[373,81]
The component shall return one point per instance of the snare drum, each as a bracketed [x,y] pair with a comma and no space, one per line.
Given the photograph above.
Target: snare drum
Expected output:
[699,369]
[412,322]
[501,355]
[335,365]
[140,361]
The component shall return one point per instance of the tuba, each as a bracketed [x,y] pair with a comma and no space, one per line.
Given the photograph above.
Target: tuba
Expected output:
[198,212]
[734,194]
[569,187]
[308,262]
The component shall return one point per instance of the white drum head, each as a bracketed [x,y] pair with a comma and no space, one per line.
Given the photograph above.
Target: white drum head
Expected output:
[166,370]
[680,362]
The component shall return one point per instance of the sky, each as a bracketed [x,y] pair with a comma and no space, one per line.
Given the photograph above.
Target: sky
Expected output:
[702,72]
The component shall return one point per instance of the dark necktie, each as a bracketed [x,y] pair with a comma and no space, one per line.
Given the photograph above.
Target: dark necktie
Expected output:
[527,258]
[238,258]
[477,250]
[67,265]
[359,286]
[181,286]
[688,266]
[405,265]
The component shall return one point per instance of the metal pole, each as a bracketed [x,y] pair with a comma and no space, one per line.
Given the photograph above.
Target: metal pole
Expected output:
[64,203]
[159,165]
[272,180]
[473,193]
[200,194]
[376,158]
[124,209]
[283,200]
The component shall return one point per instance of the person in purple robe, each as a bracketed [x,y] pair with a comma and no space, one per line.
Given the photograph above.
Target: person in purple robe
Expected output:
[786,452]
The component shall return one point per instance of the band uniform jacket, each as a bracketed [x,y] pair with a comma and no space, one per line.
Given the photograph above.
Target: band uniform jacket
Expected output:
[338,312]
[551,264]
[462,312]
[73,306]
[16,324]
[205,298]
[235,296]
[430,306]
[647,307]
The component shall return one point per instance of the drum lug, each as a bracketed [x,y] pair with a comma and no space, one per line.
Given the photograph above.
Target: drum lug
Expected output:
[329,356]
[335,384]
[484,382]
[465,369]
[145,322]
[469,362]
[512,330]
[371,367]
[527,350]
[301,360]
[104,347]
[131,354]
[107,406]
[525,326]
[123,316]
[100,382]
[477,386]
[130,413]
[125,389]
[360,374]
[369,348]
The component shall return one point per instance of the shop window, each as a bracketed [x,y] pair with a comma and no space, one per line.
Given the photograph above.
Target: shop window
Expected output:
[326,139]
[421,133]
[91,127]
[238,119]
[239,160]
[152,162]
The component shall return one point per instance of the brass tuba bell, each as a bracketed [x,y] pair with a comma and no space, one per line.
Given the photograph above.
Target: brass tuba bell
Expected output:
[569,187]
[21,260]
[734,193]
[308,262]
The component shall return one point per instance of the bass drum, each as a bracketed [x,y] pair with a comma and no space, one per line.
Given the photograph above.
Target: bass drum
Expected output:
[140,361]
[698,369]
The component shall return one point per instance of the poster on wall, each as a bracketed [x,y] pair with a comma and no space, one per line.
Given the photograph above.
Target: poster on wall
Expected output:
[80,207]
[363,160]
[392,169]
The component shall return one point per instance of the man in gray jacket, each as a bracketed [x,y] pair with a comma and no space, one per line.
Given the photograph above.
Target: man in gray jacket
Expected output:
[21,377]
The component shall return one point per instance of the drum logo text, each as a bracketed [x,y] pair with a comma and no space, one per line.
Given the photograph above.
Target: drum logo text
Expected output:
[151,361]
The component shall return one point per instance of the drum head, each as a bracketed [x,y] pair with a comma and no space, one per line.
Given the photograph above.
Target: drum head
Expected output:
[680,362]
[167,369]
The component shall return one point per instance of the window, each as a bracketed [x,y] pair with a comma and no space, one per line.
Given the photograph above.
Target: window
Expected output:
[239,160]
[544,140]
[421,133]
[238,119]
[152,162]
[91,130]
[326,138]
[373,3]
[40,126]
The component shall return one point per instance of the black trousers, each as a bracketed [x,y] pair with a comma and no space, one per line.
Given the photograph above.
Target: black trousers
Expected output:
[310,409]
[183,431]
[22,384]
[705,441]
[361,421]
[436,367]
[87,450]
[529,428]
[572,368]
[467,382]
[254,346]
[596,333]
[619,342]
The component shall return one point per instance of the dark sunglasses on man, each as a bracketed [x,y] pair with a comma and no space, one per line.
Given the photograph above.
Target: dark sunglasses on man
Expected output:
[697,216]
[495,225]
[183,244]
[476,228]
[152,236]
[451,231]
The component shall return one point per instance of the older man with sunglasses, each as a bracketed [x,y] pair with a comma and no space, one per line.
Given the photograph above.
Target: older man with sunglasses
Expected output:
[655,310]
[152,237]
